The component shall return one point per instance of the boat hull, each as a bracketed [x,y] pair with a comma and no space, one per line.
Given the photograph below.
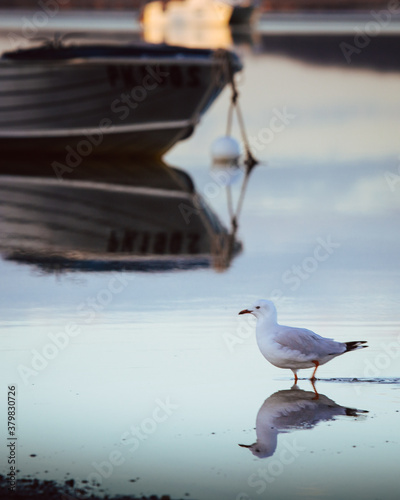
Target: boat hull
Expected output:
[129,104]
[97,141]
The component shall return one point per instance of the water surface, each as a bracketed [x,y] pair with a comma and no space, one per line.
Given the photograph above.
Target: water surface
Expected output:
[151,389]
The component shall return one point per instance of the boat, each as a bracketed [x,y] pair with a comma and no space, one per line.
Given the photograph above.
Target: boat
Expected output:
[197,23]
[112,99]
[205,13]
[243,11]
[105,216]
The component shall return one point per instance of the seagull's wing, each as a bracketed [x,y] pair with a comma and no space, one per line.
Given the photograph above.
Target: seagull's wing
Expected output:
[307,344]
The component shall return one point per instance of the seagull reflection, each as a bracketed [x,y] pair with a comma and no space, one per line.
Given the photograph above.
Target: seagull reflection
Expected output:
[292,409]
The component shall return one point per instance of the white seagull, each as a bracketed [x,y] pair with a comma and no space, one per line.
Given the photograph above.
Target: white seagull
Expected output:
[291,347]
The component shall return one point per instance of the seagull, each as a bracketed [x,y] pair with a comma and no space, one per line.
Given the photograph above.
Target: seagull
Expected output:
[289,410]
[294,348]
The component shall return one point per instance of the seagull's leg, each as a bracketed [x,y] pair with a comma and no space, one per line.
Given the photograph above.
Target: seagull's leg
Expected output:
[316,363]
[296,378]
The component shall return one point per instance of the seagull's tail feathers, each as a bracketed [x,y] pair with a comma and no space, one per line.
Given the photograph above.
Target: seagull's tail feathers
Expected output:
[353,412]
[352,346]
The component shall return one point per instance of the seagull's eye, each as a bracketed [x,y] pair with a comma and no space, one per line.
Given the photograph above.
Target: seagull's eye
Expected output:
[257,307]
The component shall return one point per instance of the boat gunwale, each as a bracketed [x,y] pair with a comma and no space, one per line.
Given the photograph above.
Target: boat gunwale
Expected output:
[107,61]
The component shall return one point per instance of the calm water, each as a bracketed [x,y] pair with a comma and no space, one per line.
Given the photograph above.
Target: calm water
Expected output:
[150,389]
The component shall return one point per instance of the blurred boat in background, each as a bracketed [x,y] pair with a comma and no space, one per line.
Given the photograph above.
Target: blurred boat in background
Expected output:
[209,13]
[107,98]
[195,23]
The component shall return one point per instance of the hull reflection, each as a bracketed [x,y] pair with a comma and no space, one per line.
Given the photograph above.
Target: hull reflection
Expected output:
[144,216]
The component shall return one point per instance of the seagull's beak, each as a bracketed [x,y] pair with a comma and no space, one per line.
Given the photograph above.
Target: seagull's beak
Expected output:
[245,445]
[246,311]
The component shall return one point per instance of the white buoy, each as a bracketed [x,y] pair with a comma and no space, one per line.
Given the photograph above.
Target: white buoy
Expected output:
[225,151]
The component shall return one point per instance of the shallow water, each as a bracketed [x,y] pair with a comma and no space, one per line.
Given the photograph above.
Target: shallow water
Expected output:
[152,391]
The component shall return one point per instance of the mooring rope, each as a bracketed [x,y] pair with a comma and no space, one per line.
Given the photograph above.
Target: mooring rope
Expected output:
[250,162]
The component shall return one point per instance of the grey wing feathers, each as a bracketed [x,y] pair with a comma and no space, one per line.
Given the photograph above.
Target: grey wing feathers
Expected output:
[306,341]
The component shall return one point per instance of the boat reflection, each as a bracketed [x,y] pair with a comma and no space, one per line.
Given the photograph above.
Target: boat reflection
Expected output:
[289,410]
[142,216]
